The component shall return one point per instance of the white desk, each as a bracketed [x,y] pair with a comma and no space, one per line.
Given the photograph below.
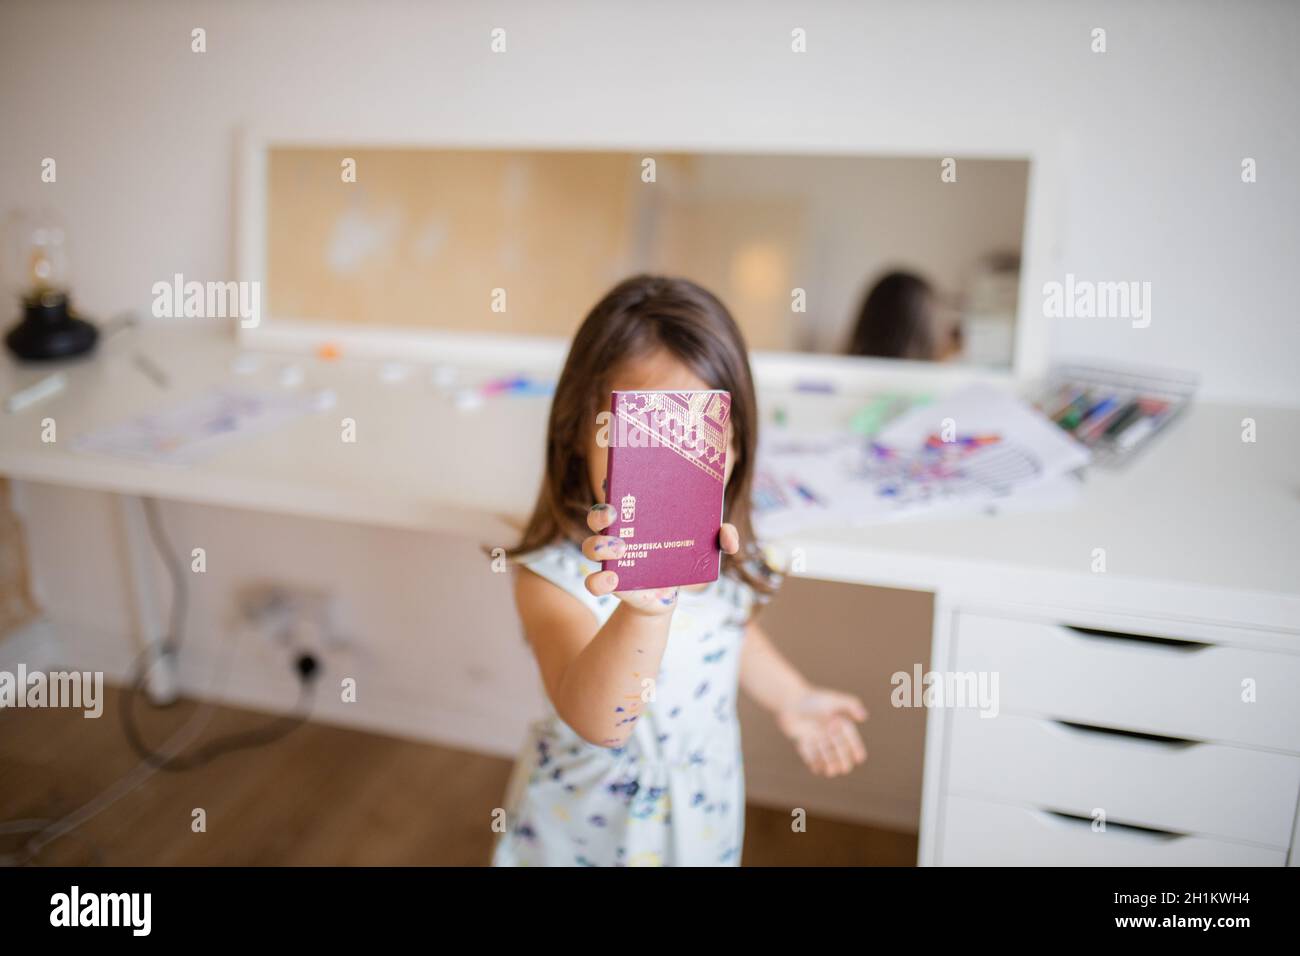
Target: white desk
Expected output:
[1202,542]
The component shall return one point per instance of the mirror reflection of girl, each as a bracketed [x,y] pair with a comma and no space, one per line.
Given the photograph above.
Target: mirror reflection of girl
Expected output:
[903,317]
[638,760]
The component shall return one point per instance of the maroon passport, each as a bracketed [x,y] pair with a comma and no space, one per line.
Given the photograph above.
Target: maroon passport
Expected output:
[666,467]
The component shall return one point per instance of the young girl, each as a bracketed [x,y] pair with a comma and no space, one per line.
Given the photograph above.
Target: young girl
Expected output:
[638,761]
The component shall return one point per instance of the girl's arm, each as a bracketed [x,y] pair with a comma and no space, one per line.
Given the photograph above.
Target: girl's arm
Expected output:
[765,673]
[817,720]
[596,675]
[592,674]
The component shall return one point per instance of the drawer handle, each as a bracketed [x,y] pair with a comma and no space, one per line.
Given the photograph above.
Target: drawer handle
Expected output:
[1073,726]
[1061,818]
[1171,643]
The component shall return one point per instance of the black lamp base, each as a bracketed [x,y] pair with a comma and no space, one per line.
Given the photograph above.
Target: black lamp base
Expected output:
[48,330]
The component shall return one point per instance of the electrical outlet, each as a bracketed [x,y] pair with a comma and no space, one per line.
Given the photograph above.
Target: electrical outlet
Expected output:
[301,620]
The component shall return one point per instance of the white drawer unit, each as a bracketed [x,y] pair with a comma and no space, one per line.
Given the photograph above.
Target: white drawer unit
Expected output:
[1192,788]
[1187,749]
[986,833]
[1131,682]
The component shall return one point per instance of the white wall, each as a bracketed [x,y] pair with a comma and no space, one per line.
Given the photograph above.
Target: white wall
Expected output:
[431,635]
[1153,130]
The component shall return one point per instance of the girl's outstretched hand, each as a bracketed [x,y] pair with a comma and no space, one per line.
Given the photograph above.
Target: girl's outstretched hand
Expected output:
[821,726]
[603,547]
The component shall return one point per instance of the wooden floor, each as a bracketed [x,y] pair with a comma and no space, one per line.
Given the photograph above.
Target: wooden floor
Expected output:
[321,796]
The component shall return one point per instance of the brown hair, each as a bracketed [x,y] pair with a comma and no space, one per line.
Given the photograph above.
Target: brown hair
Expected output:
[896,319]
[639,316]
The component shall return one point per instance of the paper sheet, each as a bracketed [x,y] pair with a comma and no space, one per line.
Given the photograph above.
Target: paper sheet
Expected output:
[196,429]
[974,447]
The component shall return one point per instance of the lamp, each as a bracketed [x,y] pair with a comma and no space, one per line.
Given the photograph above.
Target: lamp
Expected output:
[38,266]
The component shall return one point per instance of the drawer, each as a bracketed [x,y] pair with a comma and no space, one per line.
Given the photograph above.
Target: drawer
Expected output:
[985,833]
[1179,689]
[1195,788]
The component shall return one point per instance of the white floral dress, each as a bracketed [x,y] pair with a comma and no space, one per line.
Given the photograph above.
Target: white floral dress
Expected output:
[674,793]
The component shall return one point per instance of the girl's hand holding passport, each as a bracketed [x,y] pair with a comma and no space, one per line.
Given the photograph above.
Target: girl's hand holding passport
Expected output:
[661,527]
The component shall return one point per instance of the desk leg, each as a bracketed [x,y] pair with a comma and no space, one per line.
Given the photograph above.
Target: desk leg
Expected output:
[936,729]
[160,674]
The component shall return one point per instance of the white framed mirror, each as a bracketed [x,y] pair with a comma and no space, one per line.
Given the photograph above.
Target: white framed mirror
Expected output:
[899,264]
